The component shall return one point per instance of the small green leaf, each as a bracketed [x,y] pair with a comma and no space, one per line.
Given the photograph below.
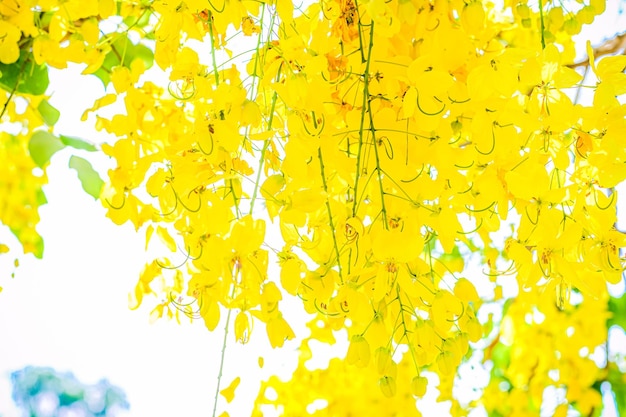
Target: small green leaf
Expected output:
[501,356]
[38,248]
[42,146]
[617,306]
[31,244]
[89,178]
[78,143]
[29,77]
[141,21]
[49,113]
[454,261]
[40,197]
[123,52]
[618,385]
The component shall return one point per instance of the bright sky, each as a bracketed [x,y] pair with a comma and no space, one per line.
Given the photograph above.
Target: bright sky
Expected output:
[70,310]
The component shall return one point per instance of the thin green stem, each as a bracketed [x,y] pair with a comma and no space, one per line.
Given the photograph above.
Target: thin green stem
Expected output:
[265,146]
[273,107]
[213,59]
[219,375]
[406,331]
[230,189]
[378,169]
[330,214]
[364,107]
[578,88]
[14,89]
[256,56]
[543,40]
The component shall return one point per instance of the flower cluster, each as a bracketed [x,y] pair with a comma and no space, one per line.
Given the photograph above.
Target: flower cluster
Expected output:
[361,156]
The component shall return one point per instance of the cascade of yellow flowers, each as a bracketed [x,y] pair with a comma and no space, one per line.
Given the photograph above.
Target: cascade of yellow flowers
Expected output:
[364,157]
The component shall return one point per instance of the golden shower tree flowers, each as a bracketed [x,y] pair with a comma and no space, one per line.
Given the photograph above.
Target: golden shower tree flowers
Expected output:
[611,78]
[278,331]
[365,159]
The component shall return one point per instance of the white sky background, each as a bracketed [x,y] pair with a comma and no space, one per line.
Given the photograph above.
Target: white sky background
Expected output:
[70,312]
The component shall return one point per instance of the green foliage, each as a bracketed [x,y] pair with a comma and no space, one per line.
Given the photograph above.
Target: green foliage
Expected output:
[123,52]
[64,394]
[89,178]
[49,113]
[24,75]
[44,144]
[78,143]
[617,306]
[618,384]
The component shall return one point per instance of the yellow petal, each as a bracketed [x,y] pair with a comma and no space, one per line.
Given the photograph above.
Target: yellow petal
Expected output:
[166,238]
[229,392]
[465,290]
[290,275]
[242,327]
[592,58]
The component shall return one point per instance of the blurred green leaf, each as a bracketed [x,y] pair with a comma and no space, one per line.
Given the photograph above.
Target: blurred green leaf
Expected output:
[37,249]
[123,52]
[31,244]
[48,112]
[618,384]
[29,77]
[453,261]
[41,197]
[78,143]
[617,306]
[501,355]
[42,146]
[89,178]
[138,21]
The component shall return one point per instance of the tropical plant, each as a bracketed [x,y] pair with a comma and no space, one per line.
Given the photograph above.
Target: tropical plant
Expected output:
[423,175]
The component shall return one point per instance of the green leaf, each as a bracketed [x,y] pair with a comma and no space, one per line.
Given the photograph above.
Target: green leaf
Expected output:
[89,178]
[40,197]
[142,21]
[501,356]
[42,146]
[78,143]
[123,52]
[618,385]
[617,306]
[453,261]
[49,113]
[29,77]
[38,248]
[31,244]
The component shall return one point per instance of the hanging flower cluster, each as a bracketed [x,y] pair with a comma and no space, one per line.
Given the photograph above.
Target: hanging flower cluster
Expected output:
[358,155]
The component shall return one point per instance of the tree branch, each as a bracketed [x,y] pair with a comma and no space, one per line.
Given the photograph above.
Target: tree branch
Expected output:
[614,46]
